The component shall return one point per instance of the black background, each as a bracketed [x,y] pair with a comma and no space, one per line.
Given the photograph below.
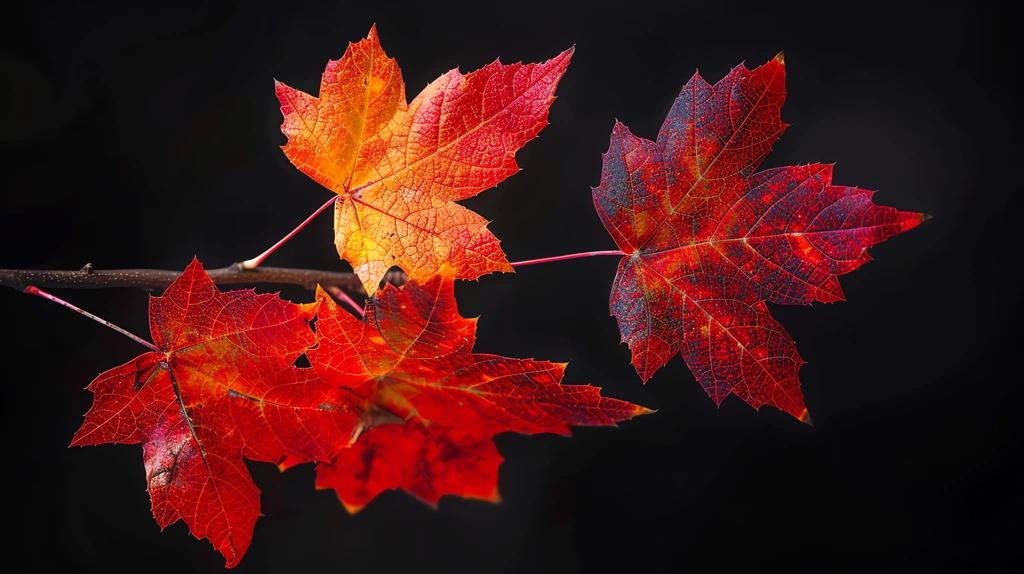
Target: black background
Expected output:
[139,137]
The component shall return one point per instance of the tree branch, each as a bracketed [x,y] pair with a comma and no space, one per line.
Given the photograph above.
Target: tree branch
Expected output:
[153,279]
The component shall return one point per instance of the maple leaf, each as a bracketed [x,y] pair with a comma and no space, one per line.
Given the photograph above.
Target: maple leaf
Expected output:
[412,356]
[222,387]
[399,167]
[428,462]
[708,242]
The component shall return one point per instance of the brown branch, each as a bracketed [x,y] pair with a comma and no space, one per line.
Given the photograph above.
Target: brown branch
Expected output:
[154,279]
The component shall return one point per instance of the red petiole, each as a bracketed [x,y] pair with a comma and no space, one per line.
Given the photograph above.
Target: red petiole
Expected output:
[340,294]
[564,257]
[40,293]
[256,261]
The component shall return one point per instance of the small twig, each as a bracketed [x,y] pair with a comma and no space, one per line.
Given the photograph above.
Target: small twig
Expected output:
[154,279]
[235,274]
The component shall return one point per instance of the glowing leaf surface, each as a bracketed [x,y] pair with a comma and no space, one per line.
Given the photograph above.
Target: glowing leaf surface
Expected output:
[400,167]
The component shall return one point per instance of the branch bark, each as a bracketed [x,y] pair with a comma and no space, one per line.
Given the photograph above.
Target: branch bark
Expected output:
[154,279]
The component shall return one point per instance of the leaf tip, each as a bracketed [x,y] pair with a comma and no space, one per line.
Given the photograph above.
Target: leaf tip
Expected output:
[781,57]
[309,310]
[641,410]
[805,417]
[320,293]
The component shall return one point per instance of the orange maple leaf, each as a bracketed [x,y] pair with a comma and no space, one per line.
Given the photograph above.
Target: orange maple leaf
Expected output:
[399,167]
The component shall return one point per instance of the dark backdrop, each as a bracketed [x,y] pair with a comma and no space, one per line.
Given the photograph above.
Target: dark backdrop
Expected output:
[139,137]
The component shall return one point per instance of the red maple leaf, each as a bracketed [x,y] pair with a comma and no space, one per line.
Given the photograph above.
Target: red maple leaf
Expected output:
[708,242]
[412,356]
[222,387]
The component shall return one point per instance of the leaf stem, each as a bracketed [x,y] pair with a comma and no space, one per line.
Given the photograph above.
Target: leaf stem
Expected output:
[255,262]
[564,257]
[31,290]
[339,294]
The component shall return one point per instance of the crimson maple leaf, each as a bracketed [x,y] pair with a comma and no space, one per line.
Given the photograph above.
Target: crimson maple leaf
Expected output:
[412,356]
[400,167]
[222,387]
[708,242]
[427,461]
